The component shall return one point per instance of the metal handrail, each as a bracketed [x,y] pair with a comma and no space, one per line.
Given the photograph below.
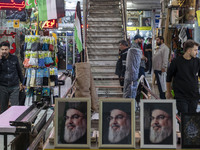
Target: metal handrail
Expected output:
[85,28]
[123,10]
[68,91]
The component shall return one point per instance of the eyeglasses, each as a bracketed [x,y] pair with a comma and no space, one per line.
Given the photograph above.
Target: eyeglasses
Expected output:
[118,117]
[73,117]
[159,117]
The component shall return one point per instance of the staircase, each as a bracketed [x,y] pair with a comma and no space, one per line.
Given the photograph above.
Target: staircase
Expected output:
[104,32]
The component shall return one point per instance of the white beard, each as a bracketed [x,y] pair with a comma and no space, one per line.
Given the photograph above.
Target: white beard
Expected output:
[77,133]
[159,136]
[116,136]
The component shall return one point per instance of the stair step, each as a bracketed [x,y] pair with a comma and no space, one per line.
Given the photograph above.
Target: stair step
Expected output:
[103,57]
[100,46]
[106,24]
[103,54]
[106,51]
[106,11]
[104,19]
[102,62]
[105,82]
[98,69]
[103,0]
[110,66]
[104,3]
[105,15]
[100,76]
[103,40]
[105,29]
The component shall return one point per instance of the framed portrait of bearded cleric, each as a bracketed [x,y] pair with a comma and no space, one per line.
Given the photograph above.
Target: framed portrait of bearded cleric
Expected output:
[190,131]
[72,123]
[116,124]
[158,123]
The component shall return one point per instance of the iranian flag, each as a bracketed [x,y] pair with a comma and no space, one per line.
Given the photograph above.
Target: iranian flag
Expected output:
[78,32]
[50,9]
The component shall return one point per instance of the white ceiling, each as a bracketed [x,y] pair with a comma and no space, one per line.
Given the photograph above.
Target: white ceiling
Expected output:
[143,4]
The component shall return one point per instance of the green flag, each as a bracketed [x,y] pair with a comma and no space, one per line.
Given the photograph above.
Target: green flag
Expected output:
[30,3]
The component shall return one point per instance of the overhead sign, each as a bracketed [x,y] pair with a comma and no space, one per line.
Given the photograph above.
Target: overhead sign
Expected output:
[12,4]
[50,24]
[138,28]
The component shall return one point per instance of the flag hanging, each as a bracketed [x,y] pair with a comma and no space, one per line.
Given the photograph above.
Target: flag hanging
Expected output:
[30,3]
[51,9]
[77,31]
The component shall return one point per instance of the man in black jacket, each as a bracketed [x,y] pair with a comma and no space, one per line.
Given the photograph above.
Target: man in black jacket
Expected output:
[184,71]
[10,73]
[121,63]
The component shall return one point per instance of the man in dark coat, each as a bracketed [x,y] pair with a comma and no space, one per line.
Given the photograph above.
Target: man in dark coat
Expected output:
[121,63]
[10,74]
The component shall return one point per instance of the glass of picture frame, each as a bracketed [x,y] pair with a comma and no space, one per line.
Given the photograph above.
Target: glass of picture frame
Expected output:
[72,123]
[190,130]
[117,125]
[158,123]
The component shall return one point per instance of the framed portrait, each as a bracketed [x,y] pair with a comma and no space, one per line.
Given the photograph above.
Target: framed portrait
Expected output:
[158,123]
[72,123]
[146,22]
[116,124]
[190,130]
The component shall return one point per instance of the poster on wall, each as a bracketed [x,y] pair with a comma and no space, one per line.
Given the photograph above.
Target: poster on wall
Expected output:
[9,35]
[146,22]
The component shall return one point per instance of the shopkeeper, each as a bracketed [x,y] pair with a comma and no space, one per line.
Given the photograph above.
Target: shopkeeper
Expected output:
[10,74]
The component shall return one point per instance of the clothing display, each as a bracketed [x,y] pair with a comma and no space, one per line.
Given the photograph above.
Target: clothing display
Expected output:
[40,71]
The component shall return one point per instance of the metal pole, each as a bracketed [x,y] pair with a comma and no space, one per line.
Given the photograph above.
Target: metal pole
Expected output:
[73,49]
[153,30]
[66,50]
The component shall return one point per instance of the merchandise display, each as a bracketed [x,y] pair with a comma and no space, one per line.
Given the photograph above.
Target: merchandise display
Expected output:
[41,73]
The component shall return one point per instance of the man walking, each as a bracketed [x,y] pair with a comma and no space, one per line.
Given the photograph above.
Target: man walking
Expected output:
[132,68]
[160,62]
[184,71]
[121,64]
[10,73]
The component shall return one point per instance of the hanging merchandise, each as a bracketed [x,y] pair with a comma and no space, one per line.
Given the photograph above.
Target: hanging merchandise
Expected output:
[182,36]
[41,74]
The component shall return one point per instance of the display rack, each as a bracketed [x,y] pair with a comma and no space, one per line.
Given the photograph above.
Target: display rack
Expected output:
[41,71]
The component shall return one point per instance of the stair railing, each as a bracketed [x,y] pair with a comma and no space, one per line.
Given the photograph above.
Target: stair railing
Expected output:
[123,10]
[85,25]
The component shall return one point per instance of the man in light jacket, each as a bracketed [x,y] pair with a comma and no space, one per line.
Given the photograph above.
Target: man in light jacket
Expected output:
[132,68]
[160,62]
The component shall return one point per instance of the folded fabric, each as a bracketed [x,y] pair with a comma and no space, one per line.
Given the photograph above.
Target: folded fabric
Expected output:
[39,77]
[35,46]
[33,61]
[26,63]
[28,46]
[32,81]
[28,77]
[41,62]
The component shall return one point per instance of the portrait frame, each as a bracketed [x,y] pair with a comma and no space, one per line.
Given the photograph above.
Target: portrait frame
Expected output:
[108,104]
[61,106]
[146,107]
[190,130]
[148,24]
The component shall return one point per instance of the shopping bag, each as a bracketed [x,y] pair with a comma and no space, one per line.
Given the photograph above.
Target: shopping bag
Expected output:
[162,78]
